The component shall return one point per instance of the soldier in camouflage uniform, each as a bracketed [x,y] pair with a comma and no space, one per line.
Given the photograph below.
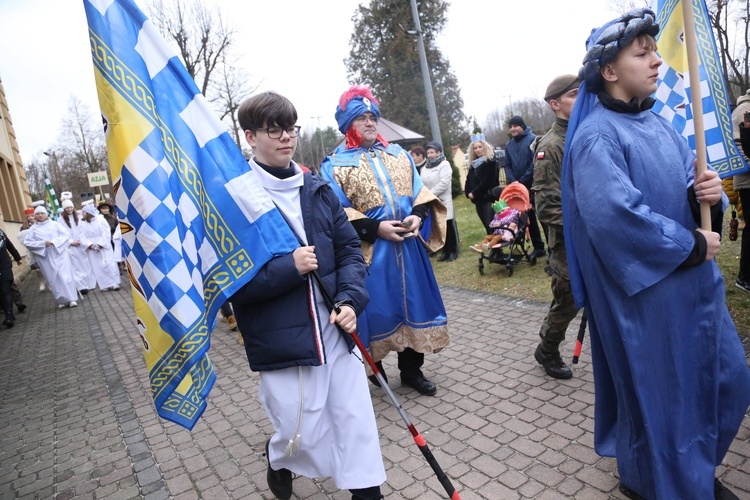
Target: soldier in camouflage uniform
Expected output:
[548,155]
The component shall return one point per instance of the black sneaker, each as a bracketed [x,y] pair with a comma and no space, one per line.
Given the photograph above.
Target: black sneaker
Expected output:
[629,493]
[742,285]
[721,492]
[552,364]
[279,481]
[373,379]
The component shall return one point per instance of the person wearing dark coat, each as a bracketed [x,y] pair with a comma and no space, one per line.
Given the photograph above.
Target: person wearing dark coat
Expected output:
[312,382]
[6,277]
[519,166]
[483,176]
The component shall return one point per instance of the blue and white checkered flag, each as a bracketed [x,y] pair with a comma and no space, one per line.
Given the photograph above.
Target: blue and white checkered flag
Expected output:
[673,95]
[196,223]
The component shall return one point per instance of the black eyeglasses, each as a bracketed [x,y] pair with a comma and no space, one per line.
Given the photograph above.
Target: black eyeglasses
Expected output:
[277,132]
[365,118]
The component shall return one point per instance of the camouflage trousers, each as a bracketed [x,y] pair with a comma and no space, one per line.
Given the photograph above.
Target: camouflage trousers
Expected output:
[562,310]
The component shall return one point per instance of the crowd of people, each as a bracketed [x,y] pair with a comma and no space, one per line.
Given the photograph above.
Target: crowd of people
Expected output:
[664,350]
[75,254]
[620,225]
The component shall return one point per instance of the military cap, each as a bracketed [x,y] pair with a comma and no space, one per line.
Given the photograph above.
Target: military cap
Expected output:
[560,85]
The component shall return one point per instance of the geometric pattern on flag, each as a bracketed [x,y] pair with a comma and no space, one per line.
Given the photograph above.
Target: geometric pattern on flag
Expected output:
[173,164]
[673,97]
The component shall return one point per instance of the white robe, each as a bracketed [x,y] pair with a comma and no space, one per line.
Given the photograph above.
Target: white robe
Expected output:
[82,274]
[96,238]
[338,433]
[117,240]
[53,260]
[29,254]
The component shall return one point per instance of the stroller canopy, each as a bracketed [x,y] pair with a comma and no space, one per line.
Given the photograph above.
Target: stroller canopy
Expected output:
[515,195]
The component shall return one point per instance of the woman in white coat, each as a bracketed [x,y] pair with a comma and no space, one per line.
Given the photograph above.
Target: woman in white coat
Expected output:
[437,176]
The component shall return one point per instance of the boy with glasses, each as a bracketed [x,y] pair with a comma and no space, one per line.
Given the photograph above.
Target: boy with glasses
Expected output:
[312,382]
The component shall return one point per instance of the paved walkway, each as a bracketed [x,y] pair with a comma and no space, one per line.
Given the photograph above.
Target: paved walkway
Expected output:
[498,426]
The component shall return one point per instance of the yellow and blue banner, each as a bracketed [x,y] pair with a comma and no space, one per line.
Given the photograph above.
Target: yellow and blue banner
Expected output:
[196,223]
[672,96]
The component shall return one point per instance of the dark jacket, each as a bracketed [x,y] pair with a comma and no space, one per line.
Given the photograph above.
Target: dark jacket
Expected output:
[519,165]
[6,265]
[481,180]
[273,310]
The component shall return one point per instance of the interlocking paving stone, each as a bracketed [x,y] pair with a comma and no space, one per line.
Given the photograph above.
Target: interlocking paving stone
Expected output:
[77,419]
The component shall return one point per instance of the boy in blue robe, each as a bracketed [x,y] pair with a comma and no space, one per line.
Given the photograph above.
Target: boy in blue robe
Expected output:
[671,381]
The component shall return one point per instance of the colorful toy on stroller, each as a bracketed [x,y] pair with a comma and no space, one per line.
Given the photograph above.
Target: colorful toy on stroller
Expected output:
[507,230]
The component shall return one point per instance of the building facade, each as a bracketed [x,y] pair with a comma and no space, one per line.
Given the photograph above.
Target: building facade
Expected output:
[14,190]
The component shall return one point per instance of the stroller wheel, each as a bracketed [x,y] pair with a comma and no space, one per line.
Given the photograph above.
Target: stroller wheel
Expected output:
[510,270]
[532,260]
[481,267]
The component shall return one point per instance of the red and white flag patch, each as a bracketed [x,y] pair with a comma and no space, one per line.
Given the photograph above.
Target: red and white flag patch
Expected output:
[540,155]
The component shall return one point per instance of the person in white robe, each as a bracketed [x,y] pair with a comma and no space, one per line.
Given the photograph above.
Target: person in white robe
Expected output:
[49,243]
[96,238]
[82,274]
[312,382]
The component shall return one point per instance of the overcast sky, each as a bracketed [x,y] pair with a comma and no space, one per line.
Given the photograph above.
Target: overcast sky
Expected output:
[499,51]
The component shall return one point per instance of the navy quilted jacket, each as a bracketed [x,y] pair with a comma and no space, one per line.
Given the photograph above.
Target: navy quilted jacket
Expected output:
[273,309]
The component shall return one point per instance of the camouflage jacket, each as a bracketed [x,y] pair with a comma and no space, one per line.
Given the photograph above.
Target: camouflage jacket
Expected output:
[548,154]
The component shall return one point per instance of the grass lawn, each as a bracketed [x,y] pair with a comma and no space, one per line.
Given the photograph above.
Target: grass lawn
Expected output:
[531,282]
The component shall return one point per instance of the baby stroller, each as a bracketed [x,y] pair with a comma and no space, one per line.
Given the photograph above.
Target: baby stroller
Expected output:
[516,196]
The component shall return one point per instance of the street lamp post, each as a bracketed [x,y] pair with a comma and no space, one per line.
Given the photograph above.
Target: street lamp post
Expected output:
[510,103]
[320,134]
[431,110]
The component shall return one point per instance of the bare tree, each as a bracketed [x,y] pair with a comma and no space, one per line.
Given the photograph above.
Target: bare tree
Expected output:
[230,89]
[201,34]
[80,149]
[82,138]
[623,6]
[535,112]
[205,42]
[314,145]
[730,20]
[35,177]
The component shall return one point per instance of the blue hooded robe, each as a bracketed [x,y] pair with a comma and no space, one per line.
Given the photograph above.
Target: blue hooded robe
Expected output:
[672,383]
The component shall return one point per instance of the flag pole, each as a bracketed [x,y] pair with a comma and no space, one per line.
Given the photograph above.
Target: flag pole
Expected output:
[691,46]
[419,440]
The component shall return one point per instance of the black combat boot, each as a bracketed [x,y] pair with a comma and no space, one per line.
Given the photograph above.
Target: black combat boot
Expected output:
[552,364]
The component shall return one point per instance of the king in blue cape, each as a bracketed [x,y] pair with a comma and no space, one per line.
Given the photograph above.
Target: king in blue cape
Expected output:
[378,182]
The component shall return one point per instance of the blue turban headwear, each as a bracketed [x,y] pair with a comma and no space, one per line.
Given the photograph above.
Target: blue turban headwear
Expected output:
[606,42]
[355,102]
